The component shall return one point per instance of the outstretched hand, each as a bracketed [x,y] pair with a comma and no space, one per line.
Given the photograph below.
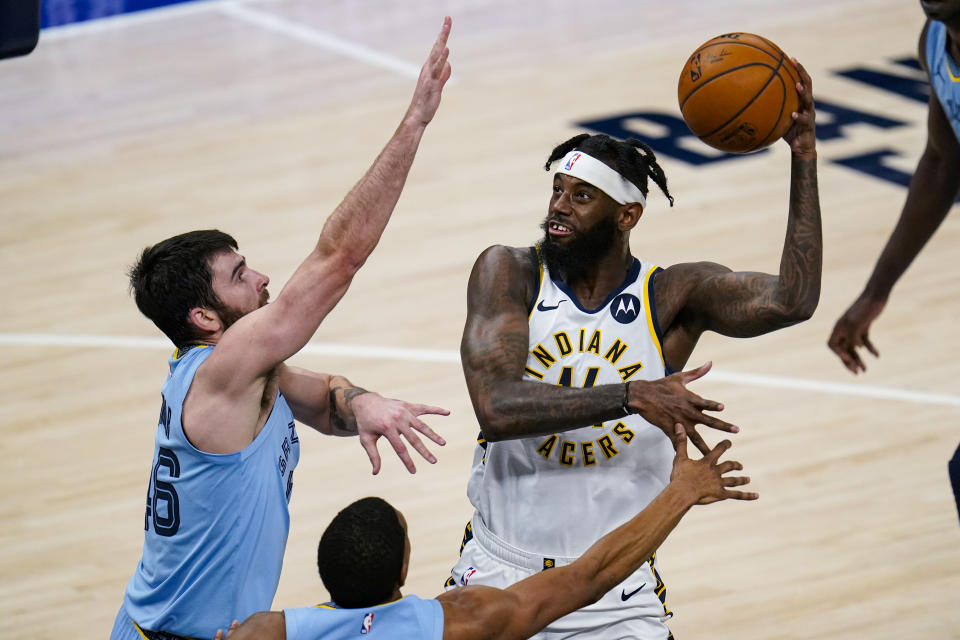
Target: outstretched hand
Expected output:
[384,417]
[433,76]
[801,136]
[852,331]
[667,401]
[706,476]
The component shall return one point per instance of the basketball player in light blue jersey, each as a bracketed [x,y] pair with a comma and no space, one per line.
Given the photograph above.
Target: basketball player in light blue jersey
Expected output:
[569,353]
[364,554]
[932,192]
[226,444]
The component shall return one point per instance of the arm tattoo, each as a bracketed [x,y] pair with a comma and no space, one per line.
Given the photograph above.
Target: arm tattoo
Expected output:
[747,304]
[510,407]
[341,413]
[494,351]
[801,263]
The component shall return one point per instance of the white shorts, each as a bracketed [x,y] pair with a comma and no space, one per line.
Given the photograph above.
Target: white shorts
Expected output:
[632,610]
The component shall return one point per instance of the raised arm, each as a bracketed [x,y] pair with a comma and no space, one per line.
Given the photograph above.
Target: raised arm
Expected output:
[932,192]
[494,353]
[225,402]
[526,607]
[275,332]
[333,405]
[709,297]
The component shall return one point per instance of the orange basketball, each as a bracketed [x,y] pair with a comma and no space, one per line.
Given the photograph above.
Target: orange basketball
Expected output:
[737,92]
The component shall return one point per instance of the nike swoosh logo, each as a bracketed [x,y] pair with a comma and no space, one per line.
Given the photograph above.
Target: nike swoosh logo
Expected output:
[543,307]
[626,596]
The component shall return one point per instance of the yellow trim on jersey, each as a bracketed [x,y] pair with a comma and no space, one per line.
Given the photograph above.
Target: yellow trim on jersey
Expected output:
[946,63]
[325,606]
[177,355]
[646,305]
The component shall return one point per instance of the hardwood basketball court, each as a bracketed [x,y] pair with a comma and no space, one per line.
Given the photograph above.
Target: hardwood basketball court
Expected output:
[256,118]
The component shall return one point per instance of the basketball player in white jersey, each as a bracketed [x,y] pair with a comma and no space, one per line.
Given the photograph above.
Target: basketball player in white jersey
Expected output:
[569,351]
[932,193]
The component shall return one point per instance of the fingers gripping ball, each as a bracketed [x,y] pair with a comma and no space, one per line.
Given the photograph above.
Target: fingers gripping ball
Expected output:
[737,92]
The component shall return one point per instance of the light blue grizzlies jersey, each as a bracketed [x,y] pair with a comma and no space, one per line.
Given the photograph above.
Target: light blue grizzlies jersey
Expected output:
[216,525]
[409,618]
[944,73]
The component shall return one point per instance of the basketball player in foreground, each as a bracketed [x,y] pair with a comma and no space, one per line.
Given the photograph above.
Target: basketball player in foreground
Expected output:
[932,192]
[226,445]
[565,350]
[364,554]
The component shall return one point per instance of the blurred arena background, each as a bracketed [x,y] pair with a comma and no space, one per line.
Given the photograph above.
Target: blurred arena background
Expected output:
[257,116]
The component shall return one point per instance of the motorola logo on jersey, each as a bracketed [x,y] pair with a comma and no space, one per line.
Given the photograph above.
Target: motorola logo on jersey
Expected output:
[625,308]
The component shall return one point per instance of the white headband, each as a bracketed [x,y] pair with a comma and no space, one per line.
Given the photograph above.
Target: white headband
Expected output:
[590,170]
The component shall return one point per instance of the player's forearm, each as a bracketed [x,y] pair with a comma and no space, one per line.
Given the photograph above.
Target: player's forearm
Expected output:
[931,194]
[519,409]
[343,421]
[320,401]
[622,551]
[615,556]
[355,226]
[802,258]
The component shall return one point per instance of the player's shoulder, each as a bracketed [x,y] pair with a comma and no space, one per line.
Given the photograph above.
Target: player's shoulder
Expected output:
[514,265]
[515,257]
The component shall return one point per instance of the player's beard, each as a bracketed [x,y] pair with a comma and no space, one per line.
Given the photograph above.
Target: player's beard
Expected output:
[576,257]
[229,315]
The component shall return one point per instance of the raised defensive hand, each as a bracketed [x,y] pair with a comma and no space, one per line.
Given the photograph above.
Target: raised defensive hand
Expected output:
[852,332]
[706,476]
[433,76]
[384,417]
[667,401]
[802,135]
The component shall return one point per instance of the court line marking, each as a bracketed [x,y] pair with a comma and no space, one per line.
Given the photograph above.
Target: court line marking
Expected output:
[328,41]
[238,11]
[450,356]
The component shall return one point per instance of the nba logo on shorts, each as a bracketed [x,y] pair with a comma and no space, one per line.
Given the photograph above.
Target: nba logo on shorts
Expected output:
[465,578]
[367,624]
[571,162]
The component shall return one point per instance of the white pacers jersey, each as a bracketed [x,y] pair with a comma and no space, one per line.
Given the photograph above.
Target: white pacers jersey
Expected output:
[555,495]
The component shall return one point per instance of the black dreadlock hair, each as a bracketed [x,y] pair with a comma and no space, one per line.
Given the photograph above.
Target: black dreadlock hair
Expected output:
[631,158]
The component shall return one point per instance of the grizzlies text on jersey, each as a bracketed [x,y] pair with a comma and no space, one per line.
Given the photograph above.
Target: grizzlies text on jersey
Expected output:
[215,525]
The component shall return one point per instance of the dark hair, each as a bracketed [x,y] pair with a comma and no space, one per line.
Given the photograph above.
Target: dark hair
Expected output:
[173,276]
[631,158]
[360,555]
